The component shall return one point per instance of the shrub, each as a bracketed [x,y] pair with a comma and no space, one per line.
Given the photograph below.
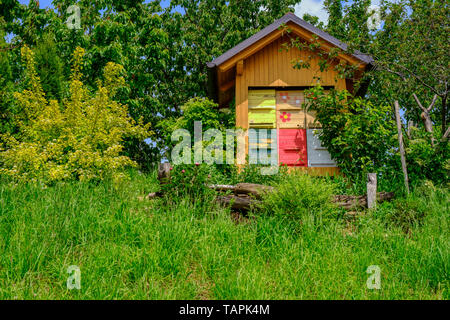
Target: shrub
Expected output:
[300,196]
[426,161]
[189,181]
[358,134]
[405,213]
[78,138]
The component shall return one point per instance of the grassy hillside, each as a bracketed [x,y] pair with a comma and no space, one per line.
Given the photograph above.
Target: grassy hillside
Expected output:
[128,248]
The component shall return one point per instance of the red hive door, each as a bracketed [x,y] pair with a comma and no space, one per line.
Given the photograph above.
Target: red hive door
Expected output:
[292,147]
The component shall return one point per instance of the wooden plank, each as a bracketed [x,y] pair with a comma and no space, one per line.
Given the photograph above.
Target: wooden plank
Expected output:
[240,68]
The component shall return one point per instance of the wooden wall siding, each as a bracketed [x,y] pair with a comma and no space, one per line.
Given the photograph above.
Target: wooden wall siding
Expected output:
[318,156]
[272,67]
[317,171]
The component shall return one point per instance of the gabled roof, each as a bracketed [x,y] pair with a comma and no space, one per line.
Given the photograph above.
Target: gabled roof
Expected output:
[289,17]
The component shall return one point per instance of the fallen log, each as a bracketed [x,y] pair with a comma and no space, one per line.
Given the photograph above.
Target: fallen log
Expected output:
[256,190]
[351,202]
[239,203]
[248,195]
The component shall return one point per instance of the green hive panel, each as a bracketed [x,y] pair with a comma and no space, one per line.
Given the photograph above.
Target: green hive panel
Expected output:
[261,109]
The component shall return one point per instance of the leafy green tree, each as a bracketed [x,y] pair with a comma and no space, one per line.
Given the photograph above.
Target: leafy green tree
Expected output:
[6,85]
[411,54]
[163,51]
[50,67]
[358,134]
[335,25]
[79,138]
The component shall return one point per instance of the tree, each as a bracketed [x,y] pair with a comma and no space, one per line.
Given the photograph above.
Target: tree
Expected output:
[77,138]
[6,85]
[49,67]
[413,50]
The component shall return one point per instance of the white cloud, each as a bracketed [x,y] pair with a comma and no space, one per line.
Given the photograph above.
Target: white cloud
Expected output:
[312,7]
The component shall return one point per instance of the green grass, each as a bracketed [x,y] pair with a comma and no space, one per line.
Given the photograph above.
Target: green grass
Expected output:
[132,249]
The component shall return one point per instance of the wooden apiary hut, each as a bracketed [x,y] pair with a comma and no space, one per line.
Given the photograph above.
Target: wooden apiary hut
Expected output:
[269,92]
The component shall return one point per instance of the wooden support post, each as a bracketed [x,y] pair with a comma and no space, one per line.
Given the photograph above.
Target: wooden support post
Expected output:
[400,142]
[164,173]
[371,190]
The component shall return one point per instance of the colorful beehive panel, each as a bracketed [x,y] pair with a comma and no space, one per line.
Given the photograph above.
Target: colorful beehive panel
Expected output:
[262,141]
[261,109]
[292,148]
[318,156]
[311,122]
[290,112]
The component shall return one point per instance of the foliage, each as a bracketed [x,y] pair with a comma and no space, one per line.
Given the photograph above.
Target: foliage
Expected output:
[49,67]
[426,161]
[163,51]
[404,213]
[198,110]
[189,181]
[77,138]
[6,85]
[131,249]
[358,134]
[411,54]
[413,210]
[300,197]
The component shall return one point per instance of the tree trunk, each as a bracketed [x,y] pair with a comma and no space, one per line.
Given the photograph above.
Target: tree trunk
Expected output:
[400,142]
[444,114]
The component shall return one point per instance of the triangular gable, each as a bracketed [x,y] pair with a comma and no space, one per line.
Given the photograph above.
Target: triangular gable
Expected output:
[273,31]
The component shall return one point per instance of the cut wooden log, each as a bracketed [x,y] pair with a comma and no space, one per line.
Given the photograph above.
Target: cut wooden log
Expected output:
[237,203]
[351,202]
[256,190]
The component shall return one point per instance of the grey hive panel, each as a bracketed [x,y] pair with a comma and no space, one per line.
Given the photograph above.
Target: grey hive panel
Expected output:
[318,156]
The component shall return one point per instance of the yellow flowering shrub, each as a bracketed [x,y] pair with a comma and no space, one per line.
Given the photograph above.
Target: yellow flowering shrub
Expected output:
[77,138]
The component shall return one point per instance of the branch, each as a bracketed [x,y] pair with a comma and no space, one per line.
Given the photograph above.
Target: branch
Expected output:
[422,107]
[432,103]
[445,136]
[10,47]
[418,102]
[419,79]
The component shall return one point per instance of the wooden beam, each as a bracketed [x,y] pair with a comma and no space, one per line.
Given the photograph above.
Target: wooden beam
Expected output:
[250,51]
[227,86]
[240,68]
